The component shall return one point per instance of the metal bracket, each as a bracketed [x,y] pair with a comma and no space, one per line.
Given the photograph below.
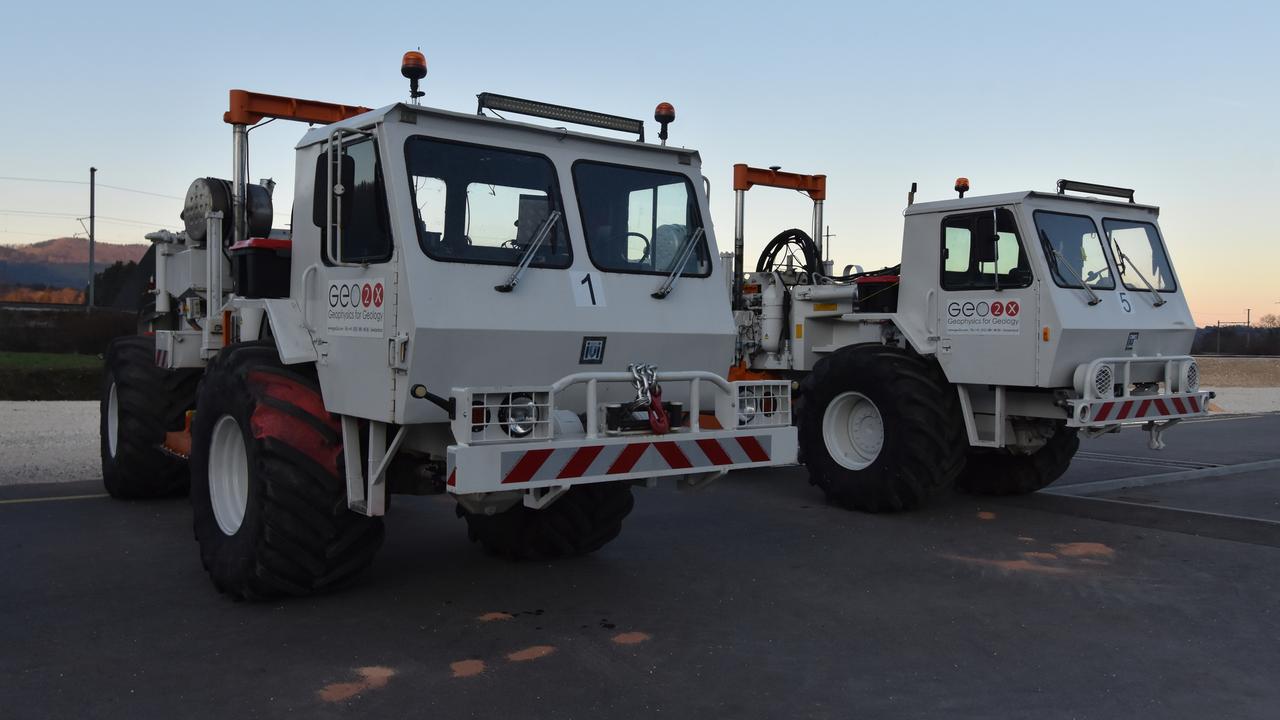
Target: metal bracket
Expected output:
[1157,431]
[971,422]
[697,481]
[539,498]
[398,351]
[368,498]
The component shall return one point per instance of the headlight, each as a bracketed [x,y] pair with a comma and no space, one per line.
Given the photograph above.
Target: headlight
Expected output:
[769,403]
[1104,383]
[746,410]
[518,415]
[1189,381]
[1101,382]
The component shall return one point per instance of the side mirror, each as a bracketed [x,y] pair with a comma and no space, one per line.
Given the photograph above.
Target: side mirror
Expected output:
[324,191]
[985,239]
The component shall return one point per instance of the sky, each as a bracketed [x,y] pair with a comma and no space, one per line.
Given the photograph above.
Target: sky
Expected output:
[1177,100]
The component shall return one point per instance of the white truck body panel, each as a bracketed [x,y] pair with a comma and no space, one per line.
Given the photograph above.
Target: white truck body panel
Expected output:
[459,331]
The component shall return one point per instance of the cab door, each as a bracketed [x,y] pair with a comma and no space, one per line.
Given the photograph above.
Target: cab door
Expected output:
[987,310]
[357,280]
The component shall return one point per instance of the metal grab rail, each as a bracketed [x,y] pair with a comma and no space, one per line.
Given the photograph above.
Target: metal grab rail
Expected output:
[1124,365]
[677,376]
[593,379]
[335,191]
[775,394]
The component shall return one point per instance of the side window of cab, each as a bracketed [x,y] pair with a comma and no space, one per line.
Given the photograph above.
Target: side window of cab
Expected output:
[968,263]
[365,225]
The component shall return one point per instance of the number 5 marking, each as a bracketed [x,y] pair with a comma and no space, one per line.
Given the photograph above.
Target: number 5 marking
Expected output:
[1124,302]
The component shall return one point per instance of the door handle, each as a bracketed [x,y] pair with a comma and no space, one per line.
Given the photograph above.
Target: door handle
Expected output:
[306,274]
[931,313]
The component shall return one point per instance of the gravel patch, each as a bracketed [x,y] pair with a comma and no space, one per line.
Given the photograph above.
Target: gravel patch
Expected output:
[1245,400]
[1239,372]
[48,441]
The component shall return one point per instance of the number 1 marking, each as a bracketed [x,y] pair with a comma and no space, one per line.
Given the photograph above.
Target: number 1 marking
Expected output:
[586,280]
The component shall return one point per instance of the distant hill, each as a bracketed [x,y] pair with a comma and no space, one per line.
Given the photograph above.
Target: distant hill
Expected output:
[72,250]
[61,262]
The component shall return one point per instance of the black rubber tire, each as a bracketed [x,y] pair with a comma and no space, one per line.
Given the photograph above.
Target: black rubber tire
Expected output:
[1001,472]
[581,521]
[924,443]
[150,401]
[297,536]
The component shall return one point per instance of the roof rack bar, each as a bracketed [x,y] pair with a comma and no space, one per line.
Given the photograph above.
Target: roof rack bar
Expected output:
[1094,188]
[506,103]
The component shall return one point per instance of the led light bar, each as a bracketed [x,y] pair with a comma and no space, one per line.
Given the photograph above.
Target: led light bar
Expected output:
[506,103]
[1094,189]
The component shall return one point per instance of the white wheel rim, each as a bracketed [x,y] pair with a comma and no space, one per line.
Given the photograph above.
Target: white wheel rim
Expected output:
[113,420]
[853,430]
[228,474]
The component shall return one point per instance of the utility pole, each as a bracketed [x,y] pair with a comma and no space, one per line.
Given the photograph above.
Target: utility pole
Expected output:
[93,175]
[1248,325]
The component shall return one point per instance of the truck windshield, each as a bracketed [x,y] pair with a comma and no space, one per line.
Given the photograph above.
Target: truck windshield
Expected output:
[484,205]
[1074,250]
[1140,254]
[638,220]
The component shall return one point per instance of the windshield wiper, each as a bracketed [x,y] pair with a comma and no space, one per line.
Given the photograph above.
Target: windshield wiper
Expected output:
[685,251]
[1062,262]
[1128,261]
[538,238]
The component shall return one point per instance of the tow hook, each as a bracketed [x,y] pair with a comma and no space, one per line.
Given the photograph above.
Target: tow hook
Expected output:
[649,397]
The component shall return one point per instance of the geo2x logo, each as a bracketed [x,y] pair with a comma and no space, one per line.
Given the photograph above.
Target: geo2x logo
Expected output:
[984,309]
[356,295]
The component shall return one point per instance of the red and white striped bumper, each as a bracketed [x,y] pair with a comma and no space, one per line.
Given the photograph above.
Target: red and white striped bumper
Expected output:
[1118,411]
[576,461]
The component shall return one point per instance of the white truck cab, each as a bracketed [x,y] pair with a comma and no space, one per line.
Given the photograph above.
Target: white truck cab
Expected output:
[1035,315]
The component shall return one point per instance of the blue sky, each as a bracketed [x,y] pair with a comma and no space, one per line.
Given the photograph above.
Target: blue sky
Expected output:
[1177,100]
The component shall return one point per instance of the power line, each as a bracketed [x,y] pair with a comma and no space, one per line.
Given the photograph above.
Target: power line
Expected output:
[84,182]
[22,232]
[75,216]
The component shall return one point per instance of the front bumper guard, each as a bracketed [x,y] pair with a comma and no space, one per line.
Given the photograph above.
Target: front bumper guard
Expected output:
[1101,413]
[752,428]
[576,461]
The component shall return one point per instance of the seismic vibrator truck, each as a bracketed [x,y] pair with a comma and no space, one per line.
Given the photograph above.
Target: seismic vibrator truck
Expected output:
[529,319]
[1013,323]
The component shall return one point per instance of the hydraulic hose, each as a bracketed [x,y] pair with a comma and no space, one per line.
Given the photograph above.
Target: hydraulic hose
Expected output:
[769,257]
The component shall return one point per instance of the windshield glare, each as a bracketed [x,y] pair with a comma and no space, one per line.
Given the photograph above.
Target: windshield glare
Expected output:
[484,205]
[1139,254]
[1074,250]
[638,220]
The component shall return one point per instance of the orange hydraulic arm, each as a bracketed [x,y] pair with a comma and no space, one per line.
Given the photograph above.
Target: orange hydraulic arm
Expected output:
[745,178]
[248,108]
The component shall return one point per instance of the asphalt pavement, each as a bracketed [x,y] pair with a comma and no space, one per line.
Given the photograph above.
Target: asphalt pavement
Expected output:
[749,599]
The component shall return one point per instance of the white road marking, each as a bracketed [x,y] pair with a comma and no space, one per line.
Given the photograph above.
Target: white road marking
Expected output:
[1102,486]
[19,501]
